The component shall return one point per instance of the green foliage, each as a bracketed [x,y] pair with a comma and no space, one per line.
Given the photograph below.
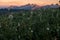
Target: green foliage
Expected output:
[30,25]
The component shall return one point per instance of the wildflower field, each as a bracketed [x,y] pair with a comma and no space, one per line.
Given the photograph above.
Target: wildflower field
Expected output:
[43,24]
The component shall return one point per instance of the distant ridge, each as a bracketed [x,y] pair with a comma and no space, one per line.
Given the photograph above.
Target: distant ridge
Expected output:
[50,6]
[25,7]
[3,7]
[29,7]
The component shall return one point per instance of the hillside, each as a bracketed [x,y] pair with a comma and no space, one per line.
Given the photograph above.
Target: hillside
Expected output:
[30,25]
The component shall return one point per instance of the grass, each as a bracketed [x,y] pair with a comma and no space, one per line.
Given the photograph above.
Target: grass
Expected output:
[30,25]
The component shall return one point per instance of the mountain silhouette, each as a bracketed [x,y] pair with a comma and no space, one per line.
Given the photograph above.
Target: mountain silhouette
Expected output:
[29,7]
[25,7]
[50,6]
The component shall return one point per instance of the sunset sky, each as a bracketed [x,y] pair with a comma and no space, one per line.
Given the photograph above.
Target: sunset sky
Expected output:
[23,2]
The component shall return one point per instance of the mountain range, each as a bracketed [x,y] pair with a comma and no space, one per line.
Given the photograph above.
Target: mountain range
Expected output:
[30,7]
[25,7]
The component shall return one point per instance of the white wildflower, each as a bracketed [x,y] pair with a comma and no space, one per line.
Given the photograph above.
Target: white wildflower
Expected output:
[28,18]
[31,12]
[18,24]
[48,28]
[57,29]
[10,17]
[23,14]
[31,30]
[19,36]
[16,30]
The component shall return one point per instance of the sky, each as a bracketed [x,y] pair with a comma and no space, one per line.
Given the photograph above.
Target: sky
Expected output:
[23,2]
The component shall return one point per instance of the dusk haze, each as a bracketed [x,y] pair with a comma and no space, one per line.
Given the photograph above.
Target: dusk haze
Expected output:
[23,2]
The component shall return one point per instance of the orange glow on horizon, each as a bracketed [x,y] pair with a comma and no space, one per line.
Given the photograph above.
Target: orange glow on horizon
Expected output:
[23,2]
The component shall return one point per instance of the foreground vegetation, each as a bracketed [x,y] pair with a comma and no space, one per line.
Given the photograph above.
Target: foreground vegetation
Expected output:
[30,25]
